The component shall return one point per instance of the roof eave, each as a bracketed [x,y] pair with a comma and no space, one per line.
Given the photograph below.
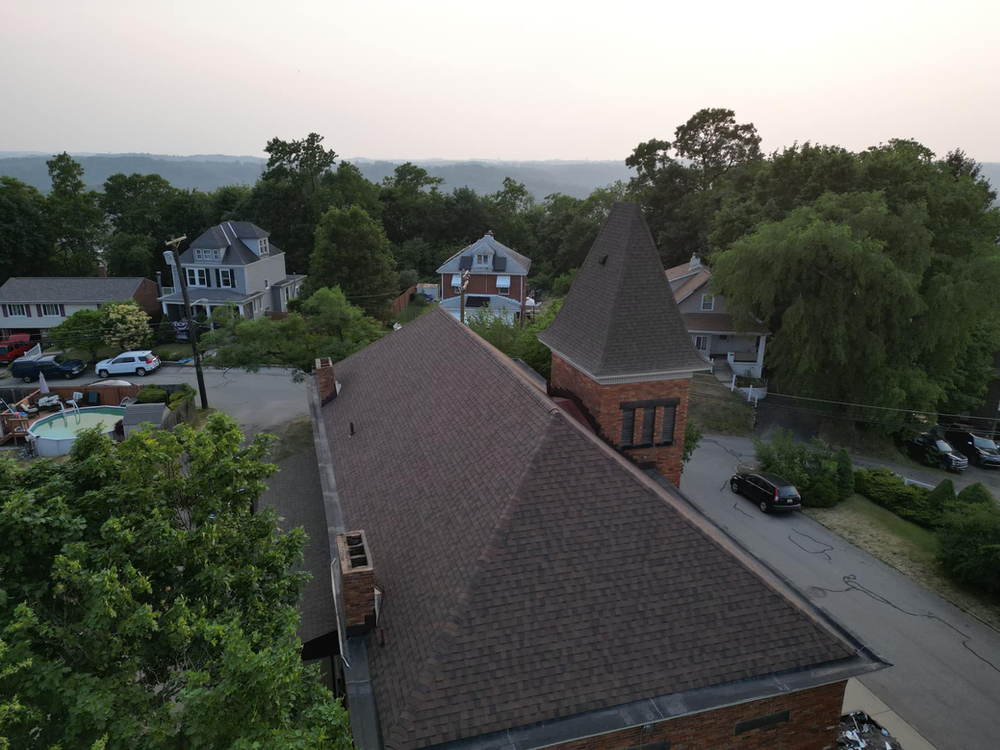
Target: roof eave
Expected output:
[637,377]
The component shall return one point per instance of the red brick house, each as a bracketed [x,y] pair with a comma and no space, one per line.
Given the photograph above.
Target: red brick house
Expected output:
[497,278]
[505,577]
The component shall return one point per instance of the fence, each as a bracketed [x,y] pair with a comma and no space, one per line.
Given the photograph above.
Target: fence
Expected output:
[403,301]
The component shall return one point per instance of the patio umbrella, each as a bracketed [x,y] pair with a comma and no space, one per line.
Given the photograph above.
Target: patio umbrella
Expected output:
[43,387]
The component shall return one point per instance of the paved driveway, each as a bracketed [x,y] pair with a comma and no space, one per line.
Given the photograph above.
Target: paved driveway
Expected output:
[946,676]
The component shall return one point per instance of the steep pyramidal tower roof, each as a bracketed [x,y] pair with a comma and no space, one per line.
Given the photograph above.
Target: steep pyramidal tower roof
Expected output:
[620,319]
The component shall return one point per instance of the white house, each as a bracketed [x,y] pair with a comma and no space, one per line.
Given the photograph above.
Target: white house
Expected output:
[711,326]
[34,304]
[232,262]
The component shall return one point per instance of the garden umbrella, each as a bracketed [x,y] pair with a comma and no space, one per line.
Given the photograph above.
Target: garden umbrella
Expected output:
[43,387]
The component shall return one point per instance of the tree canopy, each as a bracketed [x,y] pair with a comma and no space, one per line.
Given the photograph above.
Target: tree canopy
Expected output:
[144,604]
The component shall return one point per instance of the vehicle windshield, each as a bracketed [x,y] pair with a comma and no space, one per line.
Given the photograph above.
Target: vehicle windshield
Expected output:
[59,359]
[943,446]
[788,492]
[985,444]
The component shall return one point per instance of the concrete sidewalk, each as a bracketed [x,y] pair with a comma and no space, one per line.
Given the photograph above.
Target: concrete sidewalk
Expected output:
[859,698]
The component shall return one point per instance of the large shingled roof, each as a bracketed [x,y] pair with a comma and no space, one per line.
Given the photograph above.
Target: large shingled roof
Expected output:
[69,289]
[620,318]
[529,572]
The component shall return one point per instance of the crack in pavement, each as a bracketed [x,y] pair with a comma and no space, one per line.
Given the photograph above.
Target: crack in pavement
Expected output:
[826,548]
[737,506]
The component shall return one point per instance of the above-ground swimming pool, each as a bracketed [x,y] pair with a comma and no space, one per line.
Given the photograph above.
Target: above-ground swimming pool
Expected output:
[54,435]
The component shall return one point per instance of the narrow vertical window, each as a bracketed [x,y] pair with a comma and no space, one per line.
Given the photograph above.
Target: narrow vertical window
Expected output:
[628,426]
[669,414]
[648,424]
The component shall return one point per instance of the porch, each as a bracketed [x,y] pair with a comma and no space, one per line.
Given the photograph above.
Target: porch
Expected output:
[204,302]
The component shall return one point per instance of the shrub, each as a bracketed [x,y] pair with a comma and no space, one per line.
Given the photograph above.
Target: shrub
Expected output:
[820,493]
[692,436]
[152,394]
[795,462]
[969,546]
[561,284]
[942,498]
[976,494]
[845,474]
[184,394]
[165,332]
[884,488]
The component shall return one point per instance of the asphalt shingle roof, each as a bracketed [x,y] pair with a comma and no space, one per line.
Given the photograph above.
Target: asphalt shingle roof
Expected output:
[519,264]
[229,236]
[715,323]
[620,317]
[528,571]
[68,289]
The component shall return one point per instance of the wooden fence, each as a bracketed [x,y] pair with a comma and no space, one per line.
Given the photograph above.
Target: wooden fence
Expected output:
[403,301]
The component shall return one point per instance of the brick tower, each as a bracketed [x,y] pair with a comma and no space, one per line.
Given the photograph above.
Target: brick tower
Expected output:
[620,347]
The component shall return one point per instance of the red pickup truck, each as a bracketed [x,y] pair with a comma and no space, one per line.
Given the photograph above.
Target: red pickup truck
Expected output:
[14,347]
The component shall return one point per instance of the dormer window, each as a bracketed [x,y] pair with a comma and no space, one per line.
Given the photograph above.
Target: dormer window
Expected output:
[707,303]
[482,259]
[207,254]
[264,249]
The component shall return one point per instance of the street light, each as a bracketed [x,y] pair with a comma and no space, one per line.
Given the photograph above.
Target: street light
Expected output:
[173,257]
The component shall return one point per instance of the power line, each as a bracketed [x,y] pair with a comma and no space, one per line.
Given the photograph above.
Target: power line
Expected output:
[872,406]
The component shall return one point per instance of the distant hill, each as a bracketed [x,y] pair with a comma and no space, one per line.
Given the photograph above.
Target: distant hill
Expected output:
[208,172]
[202,172]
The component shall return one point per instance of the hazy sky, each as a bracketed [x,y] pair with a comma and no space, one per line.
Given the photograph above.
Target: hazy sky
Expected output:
[511,80]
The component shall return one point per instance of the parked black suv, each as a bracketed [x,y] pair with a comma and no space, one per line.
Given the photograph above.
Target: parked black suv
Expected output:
[936,451]
[50,365]
[979,450]
[769,491]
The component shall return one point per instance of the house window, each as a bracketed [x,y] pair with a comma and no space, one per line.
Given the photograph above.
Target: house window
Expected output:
[286,293]
[197,276]
[667,424]
[16,311]
[628,426]
[503,285]
[264,248]
[198,255]
[649,409]
[648,424]
[50,309]
[707,302]
[256,304]
[482,259]
[225,278]
[701,343]
[267,284]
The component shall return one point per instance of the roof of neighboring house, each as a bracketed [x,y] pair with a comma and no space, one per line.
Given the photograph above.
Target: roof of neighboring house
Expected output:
[530,572]
[289,279]
[212,294]
[691,279]
[620,317]
[136,414]
[69,289]
[518,265]
[715,323]
[229,236]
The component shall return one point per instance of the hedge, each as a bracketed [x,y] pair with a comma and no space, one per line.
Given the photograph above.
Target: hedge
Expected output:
[976,494]
[884,488]
[821,493]
[821,476]
[151,394]
[969,546]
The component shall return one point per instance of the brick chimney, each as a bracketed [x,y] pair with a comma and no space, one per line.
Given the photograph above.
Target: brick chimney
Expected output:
[357,582]
[102,271]
[328,386]
[489,233]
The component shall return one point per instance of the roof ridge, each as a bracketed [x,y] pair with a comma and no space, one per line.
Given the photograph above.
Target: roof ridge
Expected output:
[445,635]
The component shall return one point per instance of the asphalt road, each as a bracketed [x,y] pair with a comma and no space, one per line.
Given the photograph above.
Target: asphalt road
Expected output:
[945,678]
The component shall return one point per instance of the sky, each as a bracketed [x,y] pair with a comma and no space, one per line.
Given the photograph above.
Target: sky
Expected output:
[509,80]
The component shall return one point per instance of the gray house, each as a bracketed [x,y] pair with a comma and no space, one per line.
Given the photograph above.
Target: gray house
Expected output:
[711,326]
[232,262]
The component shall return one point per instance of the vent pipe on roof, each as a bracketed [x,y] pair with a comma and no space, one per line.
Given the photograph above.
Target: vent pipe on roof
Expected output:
[357,582]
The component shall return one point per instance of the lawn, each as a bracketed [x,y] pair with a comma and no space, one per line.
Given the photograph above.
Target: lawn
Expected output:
[715,409]
[172,352]
[908,548]
[414,311]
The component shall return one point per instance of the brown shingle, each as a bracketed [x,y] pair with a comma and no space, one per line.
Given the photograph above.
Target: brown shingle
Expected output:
[620,317]
[529,572]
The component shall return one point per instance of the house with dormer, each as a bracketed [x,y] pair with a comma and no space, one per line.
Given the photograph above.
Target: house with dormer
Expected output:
[232,262]
[497,278]
[710,324]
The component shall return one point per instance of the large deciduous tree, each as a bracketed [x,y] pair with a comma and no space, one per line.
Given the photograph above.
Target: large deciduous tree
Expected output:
[74,217]
[82,330]
[352,252]
[26,239]
[126,325]
[144,604]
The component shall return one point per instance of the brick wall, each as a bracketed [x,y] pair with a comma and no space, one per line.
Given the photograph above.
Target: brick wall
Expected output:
[357,579]
[812,725]
[325,380]
[146,296]
[604,404]
[484,284]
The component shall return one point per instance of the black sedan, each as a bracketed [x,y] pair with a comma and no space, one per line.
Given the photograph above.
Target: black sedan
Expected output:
[936,451]
[979,450]
[768,491]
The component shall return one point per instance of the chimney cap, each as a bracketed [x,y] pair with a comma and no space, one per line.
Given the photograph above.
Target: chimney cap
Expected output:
[489,233]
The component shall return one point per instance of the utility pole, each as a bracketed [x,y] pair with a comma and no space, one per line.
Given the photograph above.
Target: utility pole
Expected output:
[173,257]
[465,283]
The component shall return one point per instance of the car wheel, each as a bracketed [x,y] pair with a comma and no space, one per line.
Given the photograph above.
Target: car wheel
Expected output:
[68,376]
[140,372]
[27,378]
[103,373]
[764,507]
[734,487]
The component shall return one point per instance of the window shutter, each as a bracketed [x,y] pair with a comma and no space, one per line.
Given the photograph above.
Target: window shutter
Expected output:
[628,426]
[5,311]
[39,308]
[218,278]
[648,424]
[62,311]
[27,309]
[669,413]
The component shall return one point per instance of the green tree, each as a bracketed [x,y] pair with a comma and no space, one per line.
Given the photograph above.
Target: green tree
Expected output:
[408,277]
[145,604]
[976,494]
[129,255]
[125,325]
[26,240]
[74,217]
[692,437]
[412,204]
[715,143]
[845,474]
[84,330]
[942,498]
[352,252]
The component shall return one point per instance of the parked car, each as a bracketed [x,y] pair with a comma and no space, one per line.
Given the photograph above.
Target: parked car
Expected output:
[14,347]
[138,363]
[769,491]
[50,365]
[979,450]
[936,451]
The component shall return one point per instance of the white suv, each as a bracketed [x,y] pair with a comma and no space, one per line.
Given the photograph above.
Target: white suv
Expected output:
[128,362]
